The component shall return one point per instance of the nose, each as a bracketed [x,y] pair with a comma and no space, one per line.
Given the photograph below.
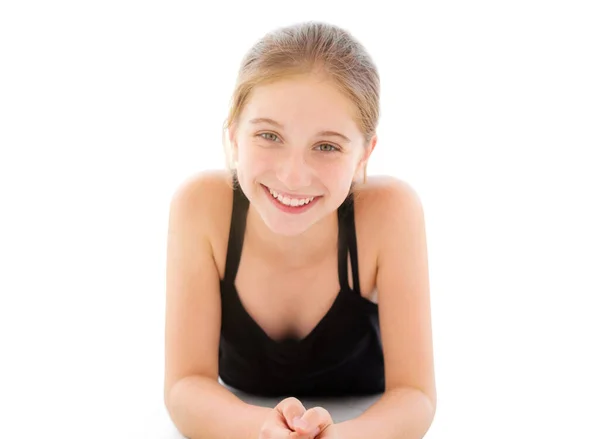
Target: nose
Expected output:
[293,171]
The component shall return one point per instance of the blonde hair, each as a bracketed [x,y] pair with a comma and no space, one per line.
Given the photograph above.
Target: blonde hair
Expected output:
[305,48]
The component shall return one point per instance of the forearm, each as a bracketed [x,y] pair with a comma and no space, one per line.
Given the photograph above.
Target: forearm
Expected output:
[202,408]
[399,414]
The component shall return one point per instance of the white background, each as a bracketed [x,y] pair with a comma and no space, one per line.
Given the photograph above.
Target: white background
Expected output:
[490,110]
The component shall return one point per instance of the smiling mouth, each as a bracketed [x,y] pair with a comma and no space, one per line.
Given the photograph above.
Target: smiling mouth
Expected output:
[288,200]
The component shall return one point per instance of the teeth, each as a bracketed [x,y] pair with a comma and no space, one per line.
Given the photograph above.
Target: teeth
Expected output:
[290,201]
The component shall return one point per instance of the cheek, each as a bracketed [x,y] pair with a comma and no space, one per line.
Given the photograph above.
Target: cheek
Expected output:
[340,171]
[254,160]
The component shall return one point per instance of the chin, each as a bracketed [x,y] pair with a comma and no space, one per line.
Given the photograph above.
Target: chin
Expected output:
[285,227]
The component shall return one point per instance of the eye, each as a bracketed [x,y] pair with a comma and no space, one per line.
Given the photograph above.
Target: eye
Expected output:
[266,136]
[327,147]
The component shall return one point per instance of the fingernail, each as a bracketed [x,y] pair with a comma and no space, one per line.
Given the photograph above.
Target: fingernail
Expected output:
[299,423]
[315,432]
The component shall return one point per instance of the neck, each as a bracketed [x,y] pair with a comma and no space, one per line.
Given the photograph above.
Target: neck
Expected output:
[298,251]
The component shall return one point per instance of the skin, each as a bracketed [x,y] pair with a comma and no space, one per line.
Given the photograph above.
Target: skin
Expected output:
[289,156]
[291,420]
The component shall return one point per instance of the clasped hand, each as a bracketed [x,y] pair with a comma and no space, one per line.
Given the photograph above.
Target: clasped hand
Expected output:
[290,420]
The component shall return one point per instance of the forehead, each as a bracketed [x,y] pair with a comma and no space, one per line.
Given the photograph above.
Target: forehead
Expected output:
[303,102]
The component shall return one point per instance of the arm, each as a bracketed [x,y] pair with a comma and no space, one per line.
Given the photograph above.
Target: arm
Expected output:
[401,413]
[407,408]
[199,406]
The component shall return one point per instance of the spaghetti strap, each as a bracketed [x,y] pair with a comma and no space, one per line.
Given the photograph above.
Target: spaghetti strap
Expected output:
[342,249]
[347,244]
[236,233]
[352,245]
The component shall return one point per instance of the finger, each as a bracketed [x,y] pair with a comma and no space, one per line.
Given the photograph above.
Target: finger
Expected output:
[276,432]
[291,408]
[315,419]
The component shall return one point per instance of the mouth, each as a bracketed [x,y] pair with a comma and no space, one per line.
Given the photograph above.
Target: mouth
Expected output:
[291,203]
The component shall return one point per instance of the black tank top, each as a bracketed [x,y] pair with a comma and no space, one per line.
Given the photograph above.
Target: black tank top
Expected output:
[341,356]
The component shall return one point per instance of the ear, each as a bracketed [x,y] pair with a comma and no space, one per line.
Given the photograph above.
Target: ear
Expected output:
[361,169]
[371,146]
[232,136]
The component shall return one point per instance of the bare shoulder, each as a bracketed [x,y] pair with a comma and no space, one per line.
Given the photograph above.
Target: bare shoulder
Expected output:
[381,187]
[206,188]
[384,200]
[205,200]
[387,209]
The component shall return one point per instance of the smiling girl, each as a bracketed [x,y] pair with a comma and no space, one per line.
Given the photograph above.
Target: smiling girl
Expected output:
[290,274]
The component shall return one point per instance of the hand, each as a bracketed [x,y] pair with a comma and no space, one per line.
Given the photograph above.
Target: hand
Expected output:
[290,420]
[318,422]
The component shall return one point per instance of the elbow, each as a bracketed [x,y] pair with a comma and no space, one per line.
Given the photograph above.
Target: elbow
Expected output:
[171,390]
[432,400]
[167,391]
[430,406]
[429,401]
[426,402]
[176,389]
[167,398]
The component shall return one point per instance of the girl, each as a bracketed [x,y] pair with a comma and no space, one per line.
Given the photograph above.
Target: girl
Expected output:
[290,275]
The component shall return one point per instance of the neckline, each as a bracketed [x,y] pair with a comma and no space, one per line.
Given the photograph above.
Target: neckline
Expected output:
[296,342]
[290,341]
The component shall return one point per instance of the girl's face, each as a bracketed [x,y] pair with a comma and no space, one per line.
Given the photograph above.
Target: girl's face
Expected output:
[298,150]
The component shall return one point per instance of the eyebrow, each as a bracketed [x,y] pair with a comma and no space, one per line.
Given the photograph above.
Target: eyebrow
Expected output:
[277,124]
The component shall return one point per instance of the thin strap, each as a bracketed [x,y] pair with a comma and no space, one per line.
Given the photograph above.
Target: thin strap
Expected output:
[352,244]
[236,233]
[342,248]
